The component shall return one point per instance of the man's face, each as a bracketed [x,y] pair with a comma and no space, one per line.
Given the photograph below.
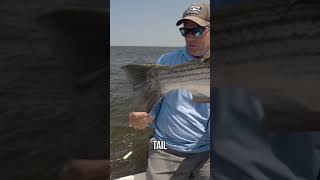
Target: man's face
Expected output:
[197,46]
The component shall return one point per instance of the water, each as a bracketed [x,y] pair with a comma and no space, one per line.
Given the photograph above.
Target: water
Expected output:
[36,122]
[123,138]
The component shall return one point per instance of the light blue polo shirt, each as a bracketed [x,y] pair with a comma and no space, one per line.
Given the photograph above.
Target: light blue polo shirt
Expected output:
[183,124]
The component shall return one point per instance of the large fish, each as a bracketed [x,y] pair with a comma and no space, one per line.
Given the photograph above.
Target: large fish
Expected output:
[152,81]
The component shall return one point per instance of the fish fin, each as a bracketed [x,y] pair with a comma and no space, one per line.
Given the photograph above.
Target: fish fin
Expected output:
[145,99]
[146,95]
[153,98]
[137,74]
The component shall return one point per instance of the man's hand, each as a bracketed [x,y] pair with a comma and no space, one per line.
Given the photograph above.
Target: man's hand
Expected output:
[140,120]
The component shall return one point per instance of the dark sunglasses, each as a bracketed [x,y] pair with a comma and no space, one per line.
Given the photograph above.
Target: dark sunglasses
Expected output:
[197,32]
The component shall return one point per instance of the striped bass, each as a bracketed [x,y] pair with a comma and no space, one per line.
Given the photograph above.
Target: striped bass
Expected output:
[152,81]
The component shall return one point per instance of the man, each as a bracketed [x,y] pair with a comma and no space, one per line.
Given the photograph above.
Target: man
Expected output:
[177,121]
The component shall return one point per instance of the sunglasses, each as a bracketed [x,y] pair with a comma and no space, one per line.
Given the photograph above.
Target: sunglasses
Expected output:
[196,32]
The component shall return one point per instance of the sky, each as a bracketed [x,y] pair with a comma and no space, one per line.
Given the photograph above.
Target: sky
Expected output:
[147,22]
[152,22]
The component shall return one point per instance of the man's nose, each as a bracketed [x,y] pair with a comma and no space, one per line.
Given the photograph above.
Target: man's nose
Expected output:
[190,36]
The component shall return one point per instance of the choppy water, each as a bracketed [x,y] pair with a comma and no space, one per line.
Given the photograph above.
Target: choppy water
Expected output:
[123,138]
[36,121]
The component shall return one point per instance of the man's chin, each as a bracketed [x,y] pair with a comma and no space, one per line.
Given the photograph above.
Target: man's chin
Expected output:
[193,52]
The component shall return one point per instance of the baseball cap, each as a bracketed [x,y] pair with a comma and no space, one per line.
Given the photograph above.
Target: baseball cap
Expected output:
[198,13]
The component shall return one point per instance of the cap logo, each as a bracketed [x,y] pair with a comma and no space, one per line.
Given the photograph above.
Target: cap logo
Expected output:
[194,9]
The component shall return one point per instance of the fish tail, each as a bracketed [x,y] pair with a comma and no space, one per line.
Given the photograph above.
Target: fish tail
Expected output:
[139,76]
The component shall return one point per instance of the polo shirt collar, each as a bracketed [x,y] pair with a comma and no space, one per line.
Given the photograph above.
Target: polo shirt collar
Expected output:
[188,56]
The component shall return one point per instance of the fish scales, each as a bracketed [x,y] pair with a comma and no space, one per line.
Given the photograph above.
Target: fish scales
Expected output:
[161,79]
[179,74]
[184,74]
